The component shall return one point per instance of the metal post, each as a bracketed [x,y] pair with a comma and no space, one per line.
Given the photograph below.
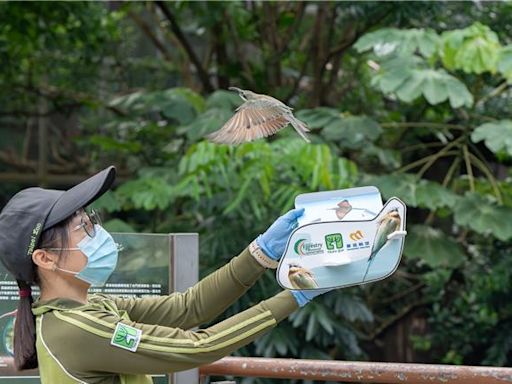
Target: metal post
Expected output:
[184,273]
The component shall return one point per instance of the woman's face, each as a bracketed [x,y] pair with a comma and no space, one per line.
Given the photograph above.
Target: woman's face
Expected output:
[78,229]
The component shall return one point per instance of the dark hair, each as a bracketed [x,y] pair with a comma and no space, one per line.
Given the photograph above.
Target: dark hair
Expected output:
[25,356]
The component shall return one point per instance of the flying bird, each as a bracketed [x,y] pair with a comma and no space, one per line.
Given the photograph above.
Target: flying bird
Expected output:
[259,116]
[301,278]
[342,209]
[389,223]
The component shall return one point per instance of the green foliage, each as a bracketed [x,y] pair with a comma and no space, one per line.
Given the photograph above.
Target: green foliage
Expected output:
[145,193]
[483,216]
[474,324]
[208,188]
[415,192]
[505,62]
[402,77]
[62,46]
[349,132]
[418,110]
[497,136]
[404,42]
[474,49]
[433,247]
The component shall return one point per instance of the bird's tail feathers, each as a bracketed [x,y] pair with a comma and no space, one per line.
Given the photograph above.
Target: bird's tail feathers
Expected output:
[300,127]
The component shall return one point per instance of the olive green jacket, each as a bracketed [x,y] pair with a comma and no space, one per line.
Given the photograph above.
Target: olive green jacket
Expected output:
[123,340]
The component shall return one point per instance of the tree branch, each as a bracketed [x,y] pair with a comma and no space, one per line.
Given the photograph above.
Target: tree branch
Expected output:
[21,113]
[79,98]
[423,125]
[437,156]
[247,73]
[486,171]
[495,92]
[317,52]
[288,35]
[400,294]
[468,167]
[221,55]
[272,34]
[447,178]
[393,320]
[203,75]
[416,163]
[149,33]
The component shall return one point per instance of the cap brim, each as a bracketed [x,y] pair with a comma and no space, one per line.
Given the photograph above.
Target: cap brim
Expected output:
[80,196]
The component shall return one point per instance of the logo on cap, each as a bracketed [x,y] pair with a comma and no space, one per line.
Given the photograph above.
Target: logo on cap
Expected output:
[33,238]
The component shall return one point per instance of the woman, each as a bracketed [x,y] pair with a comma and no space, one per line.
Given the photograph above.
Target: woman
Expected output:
[48,239]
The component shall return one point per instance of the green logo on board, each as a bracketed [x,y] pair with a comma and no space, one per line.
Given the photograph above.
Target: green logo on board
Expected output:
[126,337]
[334,241]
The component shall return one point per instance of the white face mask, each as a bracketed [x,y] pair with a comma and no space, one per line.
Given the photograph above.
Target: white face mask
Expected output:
[101,251]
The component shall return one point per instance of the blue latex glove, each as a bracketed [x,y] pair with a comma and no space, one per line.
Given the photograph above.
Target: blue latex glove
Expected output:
[304,297]
[273,241]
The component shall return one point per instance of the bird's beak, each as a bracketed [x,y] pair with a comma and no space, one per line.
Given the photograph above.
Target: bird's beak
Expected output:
[235,89]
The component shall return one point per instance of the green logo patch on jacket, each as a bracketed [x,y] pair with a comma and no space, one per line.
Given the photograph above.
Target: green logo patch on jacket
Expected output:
[126,337]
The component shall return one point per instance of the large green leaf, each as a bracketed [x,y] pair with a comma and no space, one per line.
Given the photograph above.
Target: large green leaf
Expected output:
[484,216]
[118,225]
[223,99]
[388,158]
[318,117]
[474,49]
[497,136]
[407,80]
[349,307]
[194,98]
[146,193]
[415,193]
[505,62]
[433,247]
[207,122]
[402,41]
[107,202]
[352,131]
[179,104]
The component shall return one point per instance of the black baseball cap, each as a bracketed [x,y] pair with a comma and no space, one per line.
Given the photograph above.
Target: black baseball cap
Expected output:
[33,210]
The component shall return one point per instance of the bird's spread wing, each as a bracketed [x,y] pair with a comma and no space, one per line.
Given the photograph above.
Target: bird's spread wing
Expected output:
[254,119]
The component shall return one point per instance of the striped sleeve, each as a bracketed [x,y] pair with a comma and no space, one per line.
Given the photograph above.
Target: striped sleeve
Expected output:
[158,349]
[202,302]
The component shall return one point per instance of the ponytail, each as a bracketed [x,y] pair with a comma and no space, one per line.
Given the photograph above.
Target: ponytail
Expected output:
[25,356]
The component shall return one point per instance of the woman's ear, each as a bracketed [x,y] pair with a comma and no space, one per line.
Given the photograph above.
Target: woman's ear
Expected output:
[44,259]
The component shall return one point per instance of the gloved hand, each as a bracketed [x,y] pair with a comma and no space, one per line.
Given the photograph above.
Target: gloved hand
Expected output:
[273,241]
[304,297]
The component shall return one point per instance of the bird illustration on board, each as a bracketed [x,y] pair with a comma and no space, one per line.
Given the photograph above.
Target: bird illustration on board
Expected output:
[259,116]
[301,278]
[388,224]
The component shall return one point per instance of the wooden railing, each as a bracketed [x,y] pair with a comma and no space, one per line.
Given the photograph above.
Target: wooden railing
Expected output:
[355,372]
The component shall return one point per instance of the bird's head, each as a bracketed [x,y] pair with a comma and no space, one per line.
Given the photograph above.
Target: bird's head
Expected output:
[244,94]
[295,268]
[393,214]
